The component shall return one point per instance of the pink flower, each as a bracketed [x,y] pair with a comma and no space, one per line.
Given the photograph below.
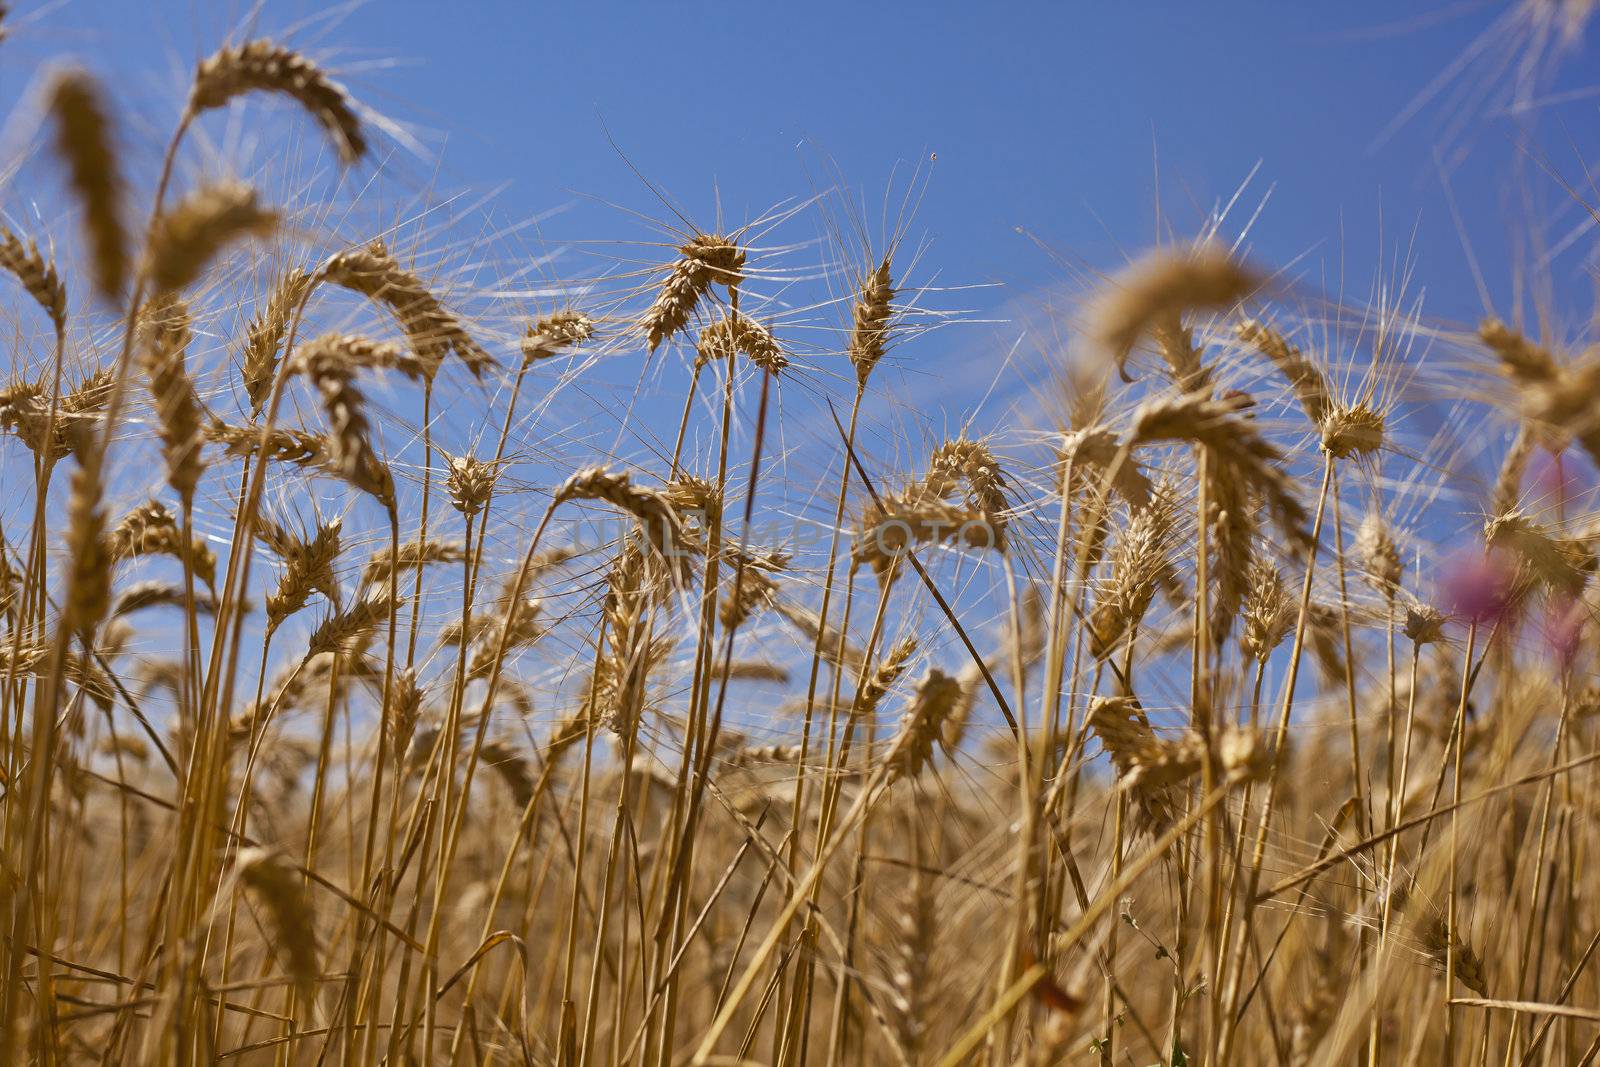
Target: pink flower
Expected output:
[1563,628]
[1555,476]
[1477,584]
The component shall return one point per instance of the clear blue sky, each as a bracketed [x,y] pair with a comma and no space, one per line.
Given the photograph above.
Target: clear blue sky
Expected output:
[1046,116]
[1043,115]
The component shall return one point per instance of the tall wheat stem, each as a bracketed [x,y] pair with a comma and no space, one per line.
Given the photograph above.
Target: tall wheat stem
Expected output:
[1280,737]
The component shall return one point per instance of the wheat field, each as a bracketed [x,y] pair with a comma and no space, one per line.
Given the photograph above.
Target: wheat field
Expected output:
[411,656]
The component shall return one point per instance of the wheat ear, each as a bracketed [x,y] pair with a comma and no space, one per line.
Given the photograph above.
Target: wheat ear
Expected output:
[84,143]
[263,66]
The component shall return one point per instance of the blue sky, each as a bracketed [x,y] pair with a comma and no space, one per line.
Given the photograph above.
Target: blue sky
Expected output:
[1053,118]
[1044,116]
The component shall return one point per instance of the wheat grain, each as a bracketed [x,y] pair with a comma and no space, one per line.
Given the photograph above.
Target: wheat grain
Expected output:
[344,631]
[921,727]
[872,316]
[552,335]
[266,334]
[89,581]
[432,331]
[150,529]
[307,567]
[168,331]
[470,483]
[1379,555]
[36,275]
[1522,361]
[186,239]
[156,593]
[411,555]
[295,447]
[706,259]
[1161,287]
[726,336]
[350,451]
[1139,564]
[290,918]
[1304,377]
[1564,563]
[262,66]
[84,143]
